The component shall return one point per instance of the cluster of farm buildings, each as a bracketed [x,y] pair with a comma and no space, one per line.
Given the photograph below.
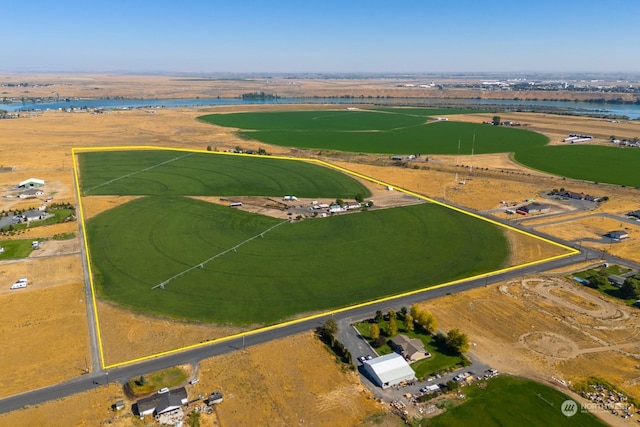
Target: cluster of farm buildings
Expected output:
[577,137]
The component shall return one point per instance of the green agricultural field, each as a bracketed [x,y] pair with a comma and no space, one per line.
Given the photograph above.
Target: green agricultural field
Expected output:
[403,131]
[168,172]
[415,131]
[295,268]
[510,401]
[613,165]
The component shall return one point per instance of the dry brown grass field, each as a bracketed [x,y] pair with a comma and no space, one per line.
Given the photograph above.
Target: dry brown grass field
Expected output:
[40,146]
[307,387]
[547,326]
[131,86]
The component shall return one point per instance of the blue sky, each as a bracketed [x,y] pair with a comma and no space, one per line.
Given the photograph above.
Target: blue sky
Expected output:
[320,36]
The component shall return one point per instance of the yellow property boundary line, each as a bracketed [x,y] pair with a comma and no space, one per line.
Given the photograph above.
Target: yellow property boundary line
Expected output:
[74,151]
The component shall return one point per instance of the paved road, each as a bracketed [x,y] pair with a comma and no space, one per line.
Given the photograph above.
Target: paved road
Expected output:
[88,297]
[122,374]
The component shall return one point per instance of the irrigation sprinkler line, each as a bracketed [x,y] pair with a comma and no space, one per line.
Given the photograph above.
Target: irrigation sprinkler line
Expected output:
[233,249]
[136,172]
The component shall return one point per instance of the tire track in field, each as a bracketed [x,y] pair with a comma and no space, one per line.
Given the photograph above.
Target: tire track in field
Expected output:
[136,173]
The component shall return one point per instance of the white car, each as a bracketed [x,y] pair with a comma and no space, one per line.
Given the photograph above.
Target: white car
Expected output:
[163,390]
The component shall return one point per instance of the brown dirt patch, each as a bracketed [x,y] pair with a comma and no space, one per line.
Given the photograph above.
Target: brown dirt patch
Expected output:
[93,205]
[543,327]
[127,335]
[596,227]
[291,392]
[557,127]
[41,272]
[87,409]
[56,247]
[31,319]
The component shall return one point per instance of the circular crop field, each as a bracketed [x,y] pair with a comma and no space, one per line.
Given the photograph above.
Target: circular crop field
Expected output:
[417,131]
[177,256]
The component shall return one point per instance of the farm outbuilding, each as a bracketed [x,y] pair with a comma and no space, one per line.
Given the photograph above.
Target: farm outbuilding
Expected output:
[389,370]
[31,182]
[618,235]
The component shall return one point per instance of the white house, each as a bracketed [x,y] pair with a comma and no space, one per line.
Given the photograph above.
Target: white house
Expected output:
[30,193]
[389,370]
[336,208]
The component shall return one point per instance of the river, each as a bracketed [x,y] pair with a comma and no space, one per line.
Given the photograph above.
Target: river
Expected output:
[632,111]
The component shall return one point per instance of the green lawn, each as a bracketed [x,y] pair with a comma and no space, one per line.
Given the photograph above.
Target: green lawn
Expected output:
[510,401]
[167,173]
[151,383]
[297,268]
[15,248]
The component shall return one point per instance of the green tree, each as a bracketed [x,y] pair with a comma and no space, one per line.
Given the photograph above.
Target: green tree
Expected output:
[403,312]
[495,120]
[194,419]
[630,289]
[378,317]
[359,198]
[457,341]
[597,280]
[339,202]
[375,331]
[330,327]
[452,385]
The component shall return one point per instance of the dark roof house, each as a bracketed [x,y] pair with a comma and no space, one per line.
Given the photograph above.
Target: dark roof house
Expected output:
[160,403]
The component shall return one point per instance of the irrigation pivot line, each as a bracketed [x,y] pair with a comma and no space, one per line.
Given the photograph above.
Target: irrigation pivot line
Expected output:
[137,172]
[233,249]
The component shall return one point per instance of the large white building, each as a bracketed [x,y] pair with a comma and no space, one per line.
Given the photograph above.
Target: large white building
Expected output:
[31,182]
[389,370]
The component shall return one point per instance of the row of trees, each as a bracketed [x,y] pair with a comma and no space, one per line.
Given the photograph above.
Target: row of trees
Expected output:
[418,319]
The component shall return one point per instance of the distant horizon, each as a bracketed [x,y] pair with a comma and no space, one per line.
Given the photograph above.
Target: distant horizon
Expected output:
[336,37]
[567,75]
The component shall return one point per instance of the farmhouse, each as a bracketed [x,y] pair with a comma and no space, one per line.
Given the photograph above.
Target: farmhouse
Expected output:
[411,349]
[617,234]
[161,403]
[579,196]
[616,280]
[34,215]
[31,182]
[336,208]
[389,370]
[635,214]
[30,193]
